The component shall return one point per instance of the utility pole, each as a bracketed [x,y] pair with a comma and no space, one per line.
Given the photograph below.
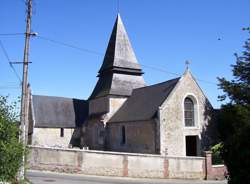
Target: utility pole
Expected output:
[24,99]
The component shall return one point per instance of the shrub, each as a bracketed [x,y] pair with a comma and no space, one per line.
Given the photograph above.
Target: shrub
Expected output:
[11,150]
[216,154]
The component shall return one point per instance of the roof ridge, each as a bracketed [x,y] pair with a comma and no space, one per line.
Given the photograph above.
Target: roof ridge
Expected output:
[58,97]
[157,84]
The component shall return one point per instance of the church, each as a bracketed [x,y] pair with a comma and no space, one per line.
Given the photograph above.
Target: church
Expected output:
[123,113]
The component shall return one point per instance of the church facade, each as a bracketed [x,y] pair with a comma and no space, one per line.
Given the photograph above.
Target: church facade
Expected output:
[124,114]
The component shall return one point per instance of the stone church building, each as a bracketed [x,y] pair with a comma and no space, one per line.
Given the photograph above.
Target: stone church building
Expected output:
[123,113]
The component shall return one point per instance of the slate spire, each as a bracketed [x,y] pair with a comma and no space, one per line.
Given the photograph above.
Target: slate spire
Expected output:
[120,72]
[119,53]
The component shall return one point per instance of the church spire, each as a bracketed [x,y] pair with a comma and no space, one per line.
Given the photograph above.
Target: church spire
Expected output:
[120,72]
[119,53]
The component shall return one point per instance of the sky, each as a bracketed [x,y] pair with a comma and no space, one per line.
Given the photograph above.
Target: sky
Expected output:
[163,33]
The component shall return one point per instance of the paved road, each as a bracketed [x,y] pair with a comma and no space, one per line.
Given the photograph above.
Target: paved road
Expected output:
[38,177]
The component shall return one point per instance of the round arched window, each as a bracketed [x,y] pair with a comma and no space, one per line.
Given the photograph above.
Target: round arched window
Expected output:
[189,112]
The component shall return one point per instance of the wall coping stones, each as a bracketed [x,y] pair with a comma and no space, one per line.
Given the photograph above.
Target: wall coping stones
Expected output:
[117,153]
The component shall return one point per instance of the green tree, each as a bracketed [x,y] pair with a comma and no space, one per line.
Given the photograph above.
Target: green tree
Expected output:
[11,149]
[234,119]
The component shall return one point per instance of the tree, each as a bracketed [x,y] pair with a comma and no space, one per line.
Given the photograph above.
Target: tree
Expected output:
[11,150]
[234,119]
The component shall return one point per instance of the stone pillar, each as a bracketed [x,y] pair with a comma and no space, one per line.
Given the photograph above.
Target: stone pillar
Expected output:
[166,168]
[208,164]
[79,160]
[125,165]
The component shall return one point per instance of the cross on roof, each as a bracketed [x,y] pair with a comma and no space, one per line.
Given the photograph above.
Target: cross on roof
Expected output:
[187,63]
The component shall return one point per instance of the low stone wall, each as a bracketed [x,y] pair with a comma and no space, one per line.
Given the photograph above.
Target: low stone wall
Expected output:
[214,172]
[116,164]
[186,167]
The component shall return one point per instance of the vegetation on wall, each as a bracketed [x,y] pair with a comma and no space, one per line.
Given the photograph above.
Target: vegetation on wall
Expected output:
[11,149]
[216,154]
[234,119]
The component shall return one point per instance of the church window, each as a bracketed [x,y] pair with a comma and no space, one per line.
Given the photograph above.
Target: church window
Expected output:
[123,140]
[62,132]
[189,112]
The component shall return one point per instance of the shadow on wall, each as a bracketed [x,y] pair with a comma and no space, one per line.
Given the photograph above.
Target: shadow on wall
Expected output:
[209,133]
[81,114]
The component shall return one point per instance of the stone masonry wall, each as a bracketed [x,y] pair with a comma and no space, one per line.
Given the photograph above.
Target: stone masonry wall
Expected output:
[171,114]
[139,137]
[114,106]
[115,164]
[96,133]
[51,137]
[214,172]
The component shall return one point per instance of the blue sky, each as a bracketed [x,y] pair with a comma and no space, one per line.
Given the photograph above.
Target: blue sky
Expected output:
[164,34]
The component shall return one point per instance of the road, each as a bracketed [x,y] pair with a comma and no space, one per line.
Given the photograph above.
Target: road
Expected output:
[38,177]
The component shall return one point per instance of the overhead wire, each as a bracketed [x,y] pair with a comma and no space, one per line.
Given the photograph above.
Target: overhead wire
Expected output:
[85,50]
[9,62]
[11,34]
[9,87]
[69,45]
[102,54]
[96,53]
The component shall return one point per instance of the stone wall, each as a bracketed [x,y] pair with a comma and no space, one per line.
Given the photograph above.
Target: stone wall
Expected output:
[95,134]
[101,109]
[171,117]
[99,105]
[51,137]
[114,105]
[186,167]
[115,164]
[105,105]
[139,137]
[214,172]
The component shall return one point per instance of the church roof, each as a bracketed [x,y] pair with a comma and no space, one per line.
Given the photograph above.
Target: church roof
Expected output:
[120,72]
[144,102]
[119,53]
[58,112]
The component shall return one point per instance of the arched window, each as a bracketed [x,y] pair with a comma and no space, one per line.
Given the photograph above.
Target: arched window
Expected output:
[189,112]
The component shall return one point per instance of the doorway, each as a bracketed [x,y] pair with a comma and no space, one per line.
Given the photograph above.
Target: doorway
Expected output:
[191,145]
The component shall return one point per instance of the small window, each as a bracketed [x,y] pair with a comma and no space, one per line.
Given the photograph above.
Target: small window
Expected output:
[189,112]
[62,132]
[123,140]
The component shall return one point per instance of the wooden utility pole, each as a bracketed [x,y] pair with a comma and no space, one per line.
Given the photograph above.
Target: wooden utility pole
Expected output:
[24,99]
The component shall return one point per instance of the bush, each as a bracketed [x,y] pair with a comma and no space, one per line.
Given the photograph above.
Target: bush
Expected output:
[216,154]
[11,150]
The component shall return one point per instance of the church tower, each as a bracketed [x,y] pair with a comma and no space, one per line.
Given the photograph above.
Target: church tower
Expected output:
[119,74]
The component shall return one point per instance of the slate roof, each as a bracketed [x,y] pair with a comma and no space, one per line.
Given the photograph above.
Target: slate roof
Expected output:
[119,53]
[58,112]
[144,102]
[118,66]
[117,84]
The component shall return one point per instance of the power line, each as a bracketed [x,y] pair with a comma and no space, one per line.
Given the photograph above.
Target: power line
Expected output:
[11,34]
[9,87]
[160,70]
[9,62]
[97,53]
[69,45]
[102,54]
[9,82]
